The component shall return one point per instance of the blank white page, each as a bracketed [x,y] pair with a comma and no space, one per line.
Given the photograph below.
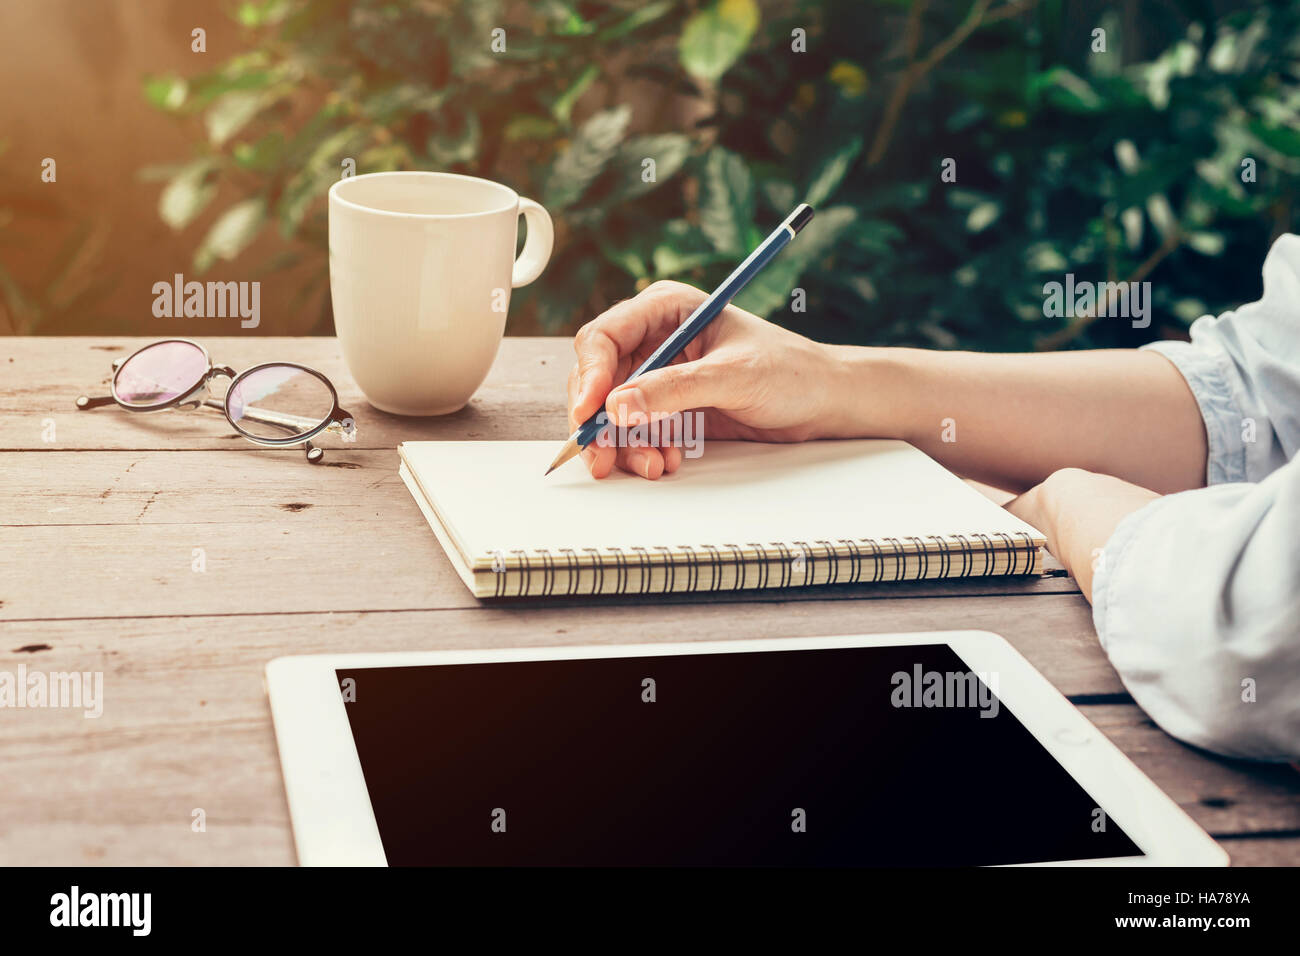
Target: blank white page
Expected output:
[494,495]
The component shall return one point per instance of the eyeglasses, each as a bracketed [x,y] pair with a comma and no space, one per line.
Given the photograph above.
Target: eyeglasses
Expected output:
[277,403]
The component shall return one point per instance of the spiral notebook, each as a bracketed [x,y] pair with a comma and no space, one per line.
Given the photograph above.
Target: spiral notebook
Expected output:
[743,515]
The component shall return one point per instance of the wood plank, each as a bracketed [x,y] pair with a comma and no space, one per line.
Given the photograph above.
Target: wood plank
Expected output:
[275,535]
[40,378]
[202,676]
[185,722]
[159,842]
[1246,850]
[1223,796]
[128,798]
[97,535]
[220,658]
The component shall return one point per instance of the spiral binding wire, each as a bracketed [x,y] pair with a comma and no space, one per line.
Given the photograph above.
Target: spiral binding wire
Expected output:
[845,561]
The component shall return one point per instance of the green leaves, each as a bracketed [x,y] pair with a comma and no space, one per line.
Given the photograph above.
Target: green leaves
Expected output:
[982,215]
[668,151]
[872,237]
[645,13]
[1286,140]
[590,151]
[683,249]
[563,106]
[740,130]
[980,208]
[526,127]
[727,210]
[187,194]
[831,172]
[166,92]
[726,201]
[232,233]
[400,101]
[261,156]
[715,37]
[261,13]
[770,289]
[230,113]
[456,142]
[1066,90]
[319,171]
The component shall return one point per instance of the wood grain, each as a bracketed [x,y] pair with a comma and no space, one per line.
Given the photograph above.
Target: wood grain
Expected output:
[200,653]
[130,797]
[152,753]
[1281,849]
[98,531]
[522,398]
[275,535]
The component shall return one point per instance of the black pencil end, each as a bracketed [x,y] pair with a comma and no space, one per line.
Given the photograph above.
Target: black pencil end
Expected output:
[800,217]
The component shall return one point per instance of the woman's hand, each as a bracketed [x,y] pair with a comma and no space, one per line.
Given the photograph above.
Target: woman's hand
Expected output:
[749,378]
[1078,511]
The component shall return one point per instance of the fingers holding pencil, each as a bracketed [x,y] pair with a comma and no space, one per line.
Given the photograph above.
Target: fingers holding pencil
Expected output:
[619,339]
[678,351]
[646,461]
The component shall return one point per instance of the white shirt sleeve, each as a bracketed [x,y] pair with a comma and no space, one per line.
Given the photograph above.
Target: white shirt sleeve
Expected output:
[1196,597]
[1244,369]
[1197,603]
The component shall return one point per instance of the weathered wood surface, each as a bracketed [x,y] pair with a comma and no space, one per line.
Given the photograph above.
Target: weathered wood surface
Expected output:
[329,539]
[98,531]
[522,398]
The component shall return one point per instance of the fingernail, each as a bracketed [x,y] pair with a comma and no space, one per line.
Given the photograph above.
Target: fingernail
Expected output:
[628,402]
[640,463]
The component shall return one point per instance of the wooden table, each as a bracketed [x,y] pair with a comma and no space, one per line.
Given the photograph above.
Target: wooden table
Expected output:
[104,517]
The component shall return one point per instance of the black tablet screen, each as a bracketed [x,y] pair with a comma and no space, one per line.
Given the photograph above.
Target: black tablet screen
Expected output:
[846,756]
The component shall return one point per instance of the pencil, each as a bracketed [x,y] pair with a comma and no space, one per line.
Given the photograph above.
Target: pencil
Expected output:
[708,310]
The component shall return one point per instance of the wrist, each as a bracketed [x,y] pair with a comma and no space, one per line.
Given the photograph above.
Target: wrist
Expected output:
[866,392]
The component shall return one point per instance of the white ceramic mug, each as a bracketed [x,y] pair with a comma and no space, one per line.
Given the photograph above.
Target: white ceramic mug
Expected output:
[421,268]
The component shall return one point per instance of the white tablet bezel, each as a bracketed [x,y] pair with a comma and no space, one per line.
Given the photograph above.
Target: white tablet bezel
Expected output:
[334,825]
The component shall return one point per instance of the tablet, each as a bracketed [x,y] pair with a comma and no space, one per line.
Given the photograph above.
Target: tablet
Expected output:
[935,749]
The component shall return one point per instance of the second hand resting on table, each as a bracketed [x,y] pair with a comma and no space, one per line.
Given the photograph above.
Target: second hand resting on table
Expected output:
[1085,437]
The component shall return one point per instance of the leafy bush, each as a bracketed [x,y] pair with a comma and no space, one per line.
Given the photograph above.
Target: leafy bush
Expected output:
[1067,158]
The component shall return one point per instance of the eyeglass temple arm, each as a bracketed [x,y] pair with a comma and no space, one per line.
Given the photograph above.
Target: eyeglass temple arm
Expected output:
[267,417]
[293,424]
[290,423]
[343,421]
[84,403]
[280,419]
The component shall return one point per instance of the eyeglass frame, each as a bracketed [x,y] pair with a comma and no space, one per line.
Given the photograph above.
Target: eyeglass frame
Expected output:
[338,419]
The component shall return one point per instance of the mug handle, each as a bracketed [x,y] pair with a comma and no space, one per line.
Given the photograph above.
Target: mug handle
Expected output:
[537,247]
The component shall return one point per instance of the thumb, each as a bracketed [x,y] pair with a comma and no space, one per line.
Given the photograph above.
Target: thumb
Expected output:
[675,388]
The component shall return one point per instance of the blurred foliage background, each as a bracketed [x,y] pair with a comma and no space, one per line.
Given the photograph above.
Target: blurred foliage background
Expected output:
[1115,155]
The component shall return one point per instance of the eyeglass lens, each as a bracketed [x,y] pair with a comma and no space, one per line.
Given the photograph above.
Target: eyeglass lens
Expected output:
[279,401]
[160,373]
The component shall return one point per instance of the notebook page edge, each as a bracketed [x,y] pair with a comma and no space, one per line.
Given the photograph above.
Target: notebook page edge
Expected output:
[463,570]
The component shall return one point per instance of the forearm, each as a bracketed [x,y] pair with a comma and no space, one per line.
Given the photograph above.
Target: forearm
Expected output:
[1011,420]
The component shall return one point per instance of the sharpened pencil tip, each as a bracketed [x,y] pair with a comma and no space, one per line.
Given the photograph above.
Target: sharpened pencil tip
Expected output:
[571,448]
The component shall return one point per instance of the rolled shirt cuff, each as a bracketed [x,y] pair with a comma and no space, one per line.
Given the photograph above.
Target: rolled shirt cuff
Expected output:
[1207,370]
